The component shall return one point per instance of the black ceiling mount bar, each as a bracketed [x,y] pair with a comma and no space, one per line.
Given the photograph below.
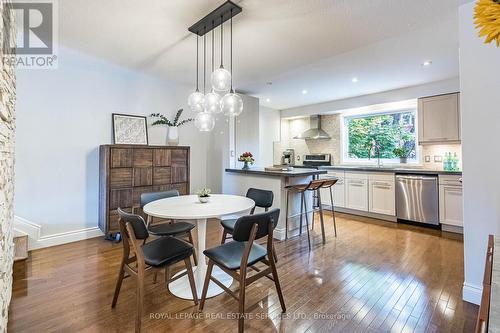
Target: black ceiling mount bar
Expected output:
[218,16]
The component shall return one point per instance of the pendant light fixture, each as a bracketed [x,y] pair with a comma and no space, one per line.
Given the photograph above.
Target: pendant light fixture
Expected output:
[196,99]
[232,104]
[212,99]
[204,120]
[207,105]
[221,78]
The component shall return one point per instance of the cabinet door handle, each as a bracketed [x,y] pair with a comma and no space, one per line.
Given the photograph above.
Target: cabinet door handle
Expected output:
[385,187]
[387,184]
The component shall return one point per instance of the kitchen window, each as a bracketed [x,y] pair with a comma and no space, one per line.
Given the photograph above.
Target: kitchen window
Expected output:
[371,135]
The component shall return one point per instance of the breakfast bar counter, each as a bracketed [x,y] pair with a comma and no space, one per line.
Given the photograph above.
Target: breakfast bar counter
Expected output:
[238,181]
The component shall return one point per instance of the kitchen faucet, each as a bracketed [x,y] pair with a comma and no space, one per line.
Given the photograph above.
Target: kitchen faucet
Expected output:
[377,147]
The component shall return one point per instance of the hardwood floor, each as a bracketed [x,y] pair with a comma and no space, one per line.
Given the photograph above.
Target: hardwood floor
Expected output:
[374,277]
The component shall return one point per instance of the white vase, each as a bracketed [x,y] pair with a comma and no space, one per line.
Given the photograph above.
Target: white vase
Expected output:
[173,136]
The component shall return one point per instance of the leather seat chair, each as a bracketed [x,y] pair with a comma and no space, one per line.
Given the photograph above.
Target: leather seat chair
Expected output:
[242,253]
[140,256]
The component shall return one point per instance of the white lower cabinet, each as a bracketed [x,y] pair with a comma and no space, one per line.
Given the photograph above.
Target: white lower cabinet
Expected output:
[450,201]
[338,190]
[382,194]
[356,191]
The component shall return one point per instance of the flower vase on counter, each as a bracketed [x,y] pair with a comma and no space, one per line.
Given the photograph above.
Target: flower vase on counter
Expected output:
[247,159]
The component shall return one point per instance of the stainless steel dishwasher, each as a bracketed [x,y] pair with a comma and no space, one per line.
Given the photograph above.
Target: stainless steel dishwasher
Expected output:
[417,198]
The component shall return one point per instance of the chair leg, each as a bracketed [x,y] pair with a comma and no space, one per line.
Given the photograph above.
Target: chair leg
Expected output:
[155,277]
[274,254]
[121,274]
[167,274]
[205,285]
[189,270]
[333,213]
[224,235]
[140,300]
[277,284]
[307,222]
[190,236]
[241,306]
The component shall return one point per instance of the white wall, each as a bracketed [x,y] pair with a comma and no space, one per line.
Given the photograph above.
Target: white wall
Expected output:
[63,117]
[269,133]
[480,106]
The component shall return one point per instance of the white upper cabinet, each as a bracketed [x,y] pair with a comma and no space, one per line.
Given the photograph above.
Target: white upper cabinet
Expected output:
[439,119]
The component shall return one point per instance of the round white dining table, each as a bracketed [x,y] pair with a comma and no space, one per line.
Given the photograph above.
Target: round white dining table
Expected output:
[188,207]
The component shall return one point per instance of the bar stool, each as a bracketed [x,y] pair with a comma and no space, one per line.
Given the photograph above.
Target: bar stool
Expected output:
[313,185]
[327,184]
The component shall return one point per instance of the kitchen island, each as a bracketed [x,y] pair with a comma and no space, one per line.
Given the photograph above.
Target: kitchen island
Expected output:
[238,181]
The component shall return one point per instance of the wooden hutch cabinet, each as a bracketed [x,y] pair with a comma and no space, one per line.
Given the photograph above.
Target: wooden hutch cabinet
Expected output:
[127,171]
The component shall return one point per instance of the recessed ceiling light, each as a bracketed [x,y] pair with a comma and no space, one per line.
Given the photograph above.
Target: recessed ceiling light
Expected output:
[427,63]
[268,100]
[354,80]
[304,91]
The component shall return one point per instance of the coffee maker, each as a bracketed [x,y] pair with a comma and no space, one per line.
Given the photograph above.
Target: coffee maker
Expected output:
[288,157]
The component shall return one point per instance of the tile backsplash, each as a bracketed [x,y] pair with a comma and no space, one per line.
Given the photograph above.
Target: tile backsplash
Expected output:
[332,125]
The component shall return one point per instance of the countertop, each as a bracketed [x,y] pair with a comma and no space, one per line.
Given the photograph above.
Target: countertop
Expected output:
[417,171]
[494,320]
[294,173]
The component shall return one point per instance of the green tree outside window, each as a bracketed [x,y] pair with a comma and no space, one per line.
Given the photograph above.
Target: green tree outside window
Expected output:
[387,131]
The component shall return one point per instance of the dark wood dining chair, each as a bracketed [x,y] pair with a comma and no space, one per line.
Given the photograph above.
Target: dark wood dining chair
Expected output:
[170,227]
[235,257]
[263,199]
[140,256]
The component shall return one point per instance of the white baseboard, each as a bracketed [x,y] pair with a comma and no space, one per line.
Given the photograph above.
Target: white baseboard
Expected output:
[36,241]
[472,293]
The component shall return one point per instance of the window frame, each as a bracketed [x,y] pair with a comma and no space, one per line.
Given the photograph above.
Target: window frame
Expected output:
[344,144]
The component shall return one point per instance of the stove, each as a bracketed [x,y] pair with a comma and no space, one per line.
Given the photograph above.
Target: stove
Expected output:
[313,161]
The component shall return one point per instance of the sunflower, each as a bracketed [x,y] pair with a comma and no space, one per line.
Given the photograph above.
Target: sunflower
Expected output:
[487,20]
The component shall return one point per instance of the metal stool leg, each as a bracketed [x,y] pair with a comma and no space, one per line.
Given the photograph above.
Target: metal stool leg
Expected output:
[301,212]
[333,212]
[321,218]
[286,215]
[307,222]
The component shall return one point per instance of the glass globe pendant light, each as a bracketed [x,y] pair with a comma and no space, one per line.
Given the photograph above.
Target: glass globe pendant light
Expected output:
[232,104]
[204,121]
[212,99]
[221,78]
[196,99]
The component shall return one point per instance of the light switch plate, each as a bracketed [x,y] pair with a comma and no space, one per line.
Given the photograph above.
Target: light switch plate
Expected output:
[427,158]
[438,158]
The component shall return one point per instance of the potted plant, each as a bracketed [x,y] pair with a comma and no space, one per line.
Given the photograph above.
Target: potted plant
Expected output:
[246,158]
[204,194]
[173,132]
[402,152]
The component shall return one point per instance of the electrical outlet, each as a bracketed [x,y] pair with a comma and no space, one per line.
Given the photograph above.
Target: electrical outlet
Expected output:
[438,158]
[427,158]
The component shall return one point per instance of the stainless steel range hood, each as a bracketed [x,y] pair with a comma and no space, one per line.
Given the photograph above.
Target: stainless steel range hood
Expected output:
[314,132]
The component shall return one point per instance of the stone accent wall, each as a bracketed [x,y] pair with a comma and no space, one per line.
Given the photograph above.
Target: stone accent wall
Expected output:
[7,129]
[290,128]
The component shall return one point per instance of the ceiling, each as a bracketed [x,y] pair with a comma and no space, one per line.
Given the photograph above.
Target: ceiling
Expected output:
[317,45]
